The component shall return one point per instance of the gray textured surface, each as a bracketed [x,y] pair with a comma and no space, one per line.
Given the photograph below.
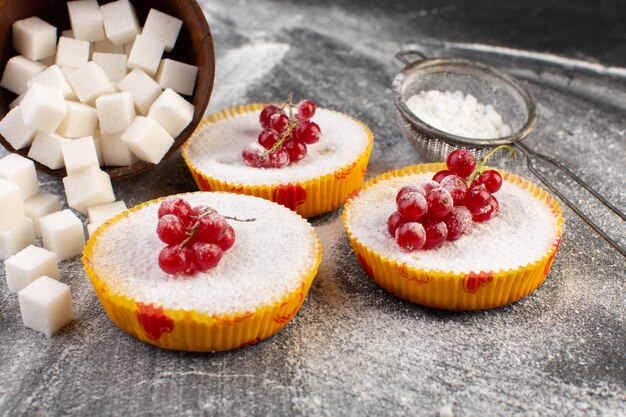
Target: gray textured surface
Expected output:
[353,349]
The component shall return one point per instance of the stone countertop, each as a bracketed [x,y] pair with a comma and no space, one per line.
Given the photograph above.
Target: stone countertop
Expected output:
[353,349]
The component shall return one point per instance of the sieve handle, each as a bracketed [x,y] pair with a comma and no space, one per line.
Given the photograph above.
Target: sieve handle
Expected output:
[401,56]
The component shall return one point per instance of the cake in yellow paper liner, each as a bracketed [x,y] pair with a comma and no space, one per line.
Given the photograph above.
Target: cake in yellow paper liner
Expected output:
[443,289]
[190,329]
[308,197]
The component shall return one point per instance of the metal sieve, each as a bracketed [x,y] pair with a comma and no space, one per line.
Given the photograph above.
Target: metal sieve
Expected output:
[490,86]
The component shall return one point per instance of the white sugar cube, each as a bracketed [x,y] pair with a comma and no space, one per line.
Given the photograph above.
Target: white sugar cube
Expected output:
[11,204]
[29,264]
[18,71]
[146,54]
[115,112]
[143,88]
[162,27]
[97,142]
[106,46]
[20,171]
[89,187]
[172,112]
[53,77]
[86,20]
[40,205]
[128,47]
[80,120]
[47,61]
[34,38]
[147,139]
[13,129]
[102,213]
[62,233]
[114,65]
[43,108]
[178,76]
[15,238]
[79,155]
[115,152]
[72,53]
[46,305]
[120,21]
[89,82]
[47,149]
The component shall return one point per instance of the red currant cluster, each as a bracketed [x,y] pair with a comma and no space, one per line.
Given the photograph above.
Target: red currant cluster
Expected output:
[285,136]
[196,237]
[443,208]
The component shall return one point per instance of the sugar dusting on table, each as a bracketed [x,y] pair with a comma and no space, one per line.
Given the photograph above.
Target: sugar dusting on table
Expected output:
[267,262]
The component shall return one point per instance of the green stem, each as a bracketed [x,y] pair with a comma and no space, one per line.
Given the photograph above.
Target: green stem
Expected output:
[193,229]
[292,125]
[484,159]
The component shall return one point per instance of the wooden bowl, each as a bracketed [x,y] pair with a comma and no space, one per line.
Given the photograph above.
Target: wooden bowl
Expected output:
[194,46]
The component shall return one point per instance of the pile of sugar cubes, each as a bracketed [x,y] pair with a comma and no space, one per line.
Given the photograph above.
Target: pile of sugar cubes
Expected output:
[26,213]
[106,79]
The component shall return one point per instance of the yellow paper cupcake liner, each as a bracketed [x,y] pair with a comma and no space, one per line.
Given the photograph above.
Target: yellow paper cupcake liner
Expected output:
[189,330]
[475,290]
[309,198]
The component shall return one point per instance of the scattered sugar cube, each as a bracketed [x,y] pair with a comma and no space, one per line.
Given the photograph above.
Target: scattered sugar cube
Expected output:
[146,54]
[114,65]
[102,213]
[40,205]
[18,71]
[79,155]
[178,76]
[89,187]
[162,27]
[46,305]
[34,38]
[97,142]
[62,233]
[33,262]
[115,112]
[147,139]
[90,82]
[120,21]
[20,171]
[106,46]
[43,108]
[47,149]
[11,204]
[172,112]
[115,152]
[86,20]
[143,88]
[15,238]
[80,120]
[72,53]
[53,77]
[17,101]
[13,129]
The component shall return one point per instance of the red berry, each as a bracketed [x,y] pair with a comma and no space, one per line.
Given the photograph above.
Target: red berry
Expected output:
[461,162]
[477,199]
[413,206]
[176,206]
[211,228]
[491,179]
[268,138]
[441,175]
[458,222]
[394,221]
[425,187]
[411,236]
[228,240]
[266,114]
[200,210]
[436,233]
[488,213]
[297,149]
[254,155]
[308,132]
[306,110]
[411,188]
[206,255]
[457,188]
[173,259]
[279,158]
[171,229]
[279,122]
[440,203]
